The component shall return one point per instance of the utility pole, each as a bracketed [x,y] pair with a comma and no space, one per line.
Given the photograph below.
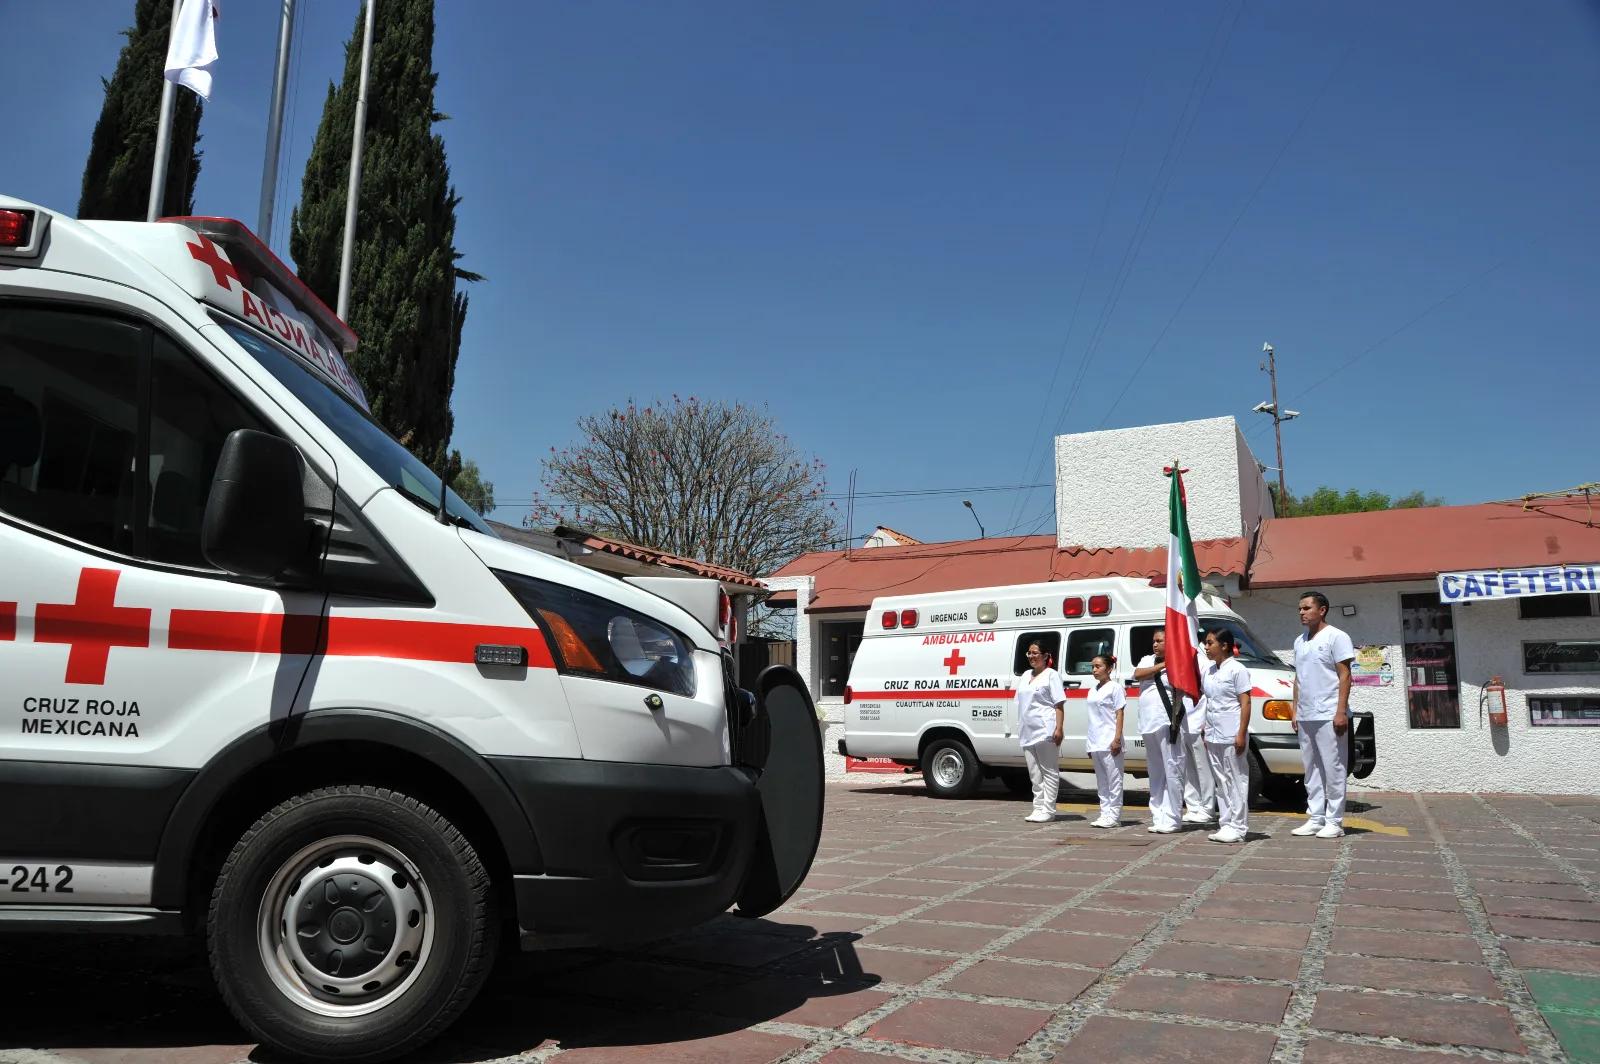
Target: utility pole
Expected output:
[280,86]
[357,142]
[1270,367]
[158,172]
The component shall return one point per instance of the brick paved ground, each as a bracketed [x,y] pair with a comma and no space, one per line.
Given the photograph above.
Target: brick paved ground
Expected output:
[1453,926]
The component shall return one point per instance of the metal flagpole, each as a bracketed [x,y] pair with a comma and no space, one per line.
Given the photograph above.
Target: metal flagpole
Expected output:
[158,172]
[280,87]
[359,134]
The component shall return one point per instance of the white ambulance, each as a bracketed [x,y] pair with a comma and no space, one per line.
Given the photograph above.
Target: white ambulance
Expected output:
[256,683]
[933,684]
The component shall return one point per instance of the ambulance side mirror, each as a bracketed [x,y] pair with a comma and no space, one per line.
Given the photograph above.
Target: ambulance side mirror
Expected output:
[255,519]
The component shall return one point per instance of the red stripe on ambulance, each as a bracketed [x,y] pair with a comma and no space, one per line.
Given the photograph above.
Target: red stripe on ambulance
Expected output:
[351,637]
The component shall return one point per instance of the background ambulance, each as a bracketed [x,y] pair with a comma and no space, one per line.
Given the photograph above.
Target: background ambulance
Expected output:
[255,684]
[933,683]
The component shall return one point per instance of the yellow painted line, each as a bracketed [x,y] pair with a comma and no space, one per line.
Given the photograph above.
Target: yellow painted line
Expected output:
[1358,823]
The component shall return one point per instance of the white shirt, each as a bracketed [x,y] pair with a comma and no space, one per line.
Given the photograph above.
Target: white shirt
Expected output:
[1223,685]
[1316,668]
[1037,699]
[1104,701]
[1153,711]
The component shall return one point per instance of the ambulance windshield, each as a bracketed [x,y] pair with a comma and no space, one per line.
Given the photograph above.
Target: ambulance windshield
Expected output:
[1251,651]
[401,469]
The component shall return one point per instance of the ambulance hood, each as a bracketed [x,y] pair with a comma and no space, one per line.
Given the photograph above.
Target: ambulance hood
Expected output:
[515,558]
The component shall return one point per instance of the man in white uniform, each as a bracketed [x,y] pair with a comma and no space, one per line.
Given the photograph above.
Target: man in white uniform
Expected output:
[1163,753]
[1321,713]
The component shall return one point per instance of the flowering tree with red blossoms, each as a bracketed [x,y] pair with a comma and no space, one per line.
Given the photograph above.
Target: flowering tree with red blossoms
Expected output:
[707,480]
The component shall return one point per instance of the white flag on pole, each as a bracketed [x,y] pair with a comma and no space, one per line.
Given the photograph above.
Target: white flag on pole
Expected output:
[192,47]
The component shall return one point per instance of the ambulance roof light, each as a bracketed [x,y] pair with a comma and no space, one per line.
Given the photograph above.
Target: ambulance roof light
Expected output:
[908,618]
[15,228]
[1072,607]
[1099,605]
[891,619]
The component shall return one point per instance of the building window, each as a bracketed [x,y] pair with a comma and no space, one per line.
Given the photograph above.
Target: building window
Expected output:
[1540,607]
[1429,636]
[1564,712]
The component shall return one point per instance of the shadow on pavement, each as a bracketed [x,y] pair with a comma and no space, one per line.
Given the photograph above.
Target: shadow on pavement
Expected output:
[71,993]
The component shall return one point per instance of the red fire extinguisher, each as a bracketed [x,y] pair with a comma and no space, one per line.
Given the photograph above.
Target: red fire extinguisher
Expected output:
[1494,694]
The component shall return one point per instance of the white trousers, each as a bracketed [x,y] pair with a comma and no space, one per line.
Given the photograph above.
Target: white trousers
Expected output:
[1323,755]
[1233,786]
[1164,759]
[1044,772]
[1199,788]
[1108,781]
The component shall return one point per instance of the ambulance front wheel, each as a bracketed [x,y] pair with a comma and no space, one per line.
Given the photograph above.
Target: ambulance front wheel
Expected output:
[351,923]
[951,769]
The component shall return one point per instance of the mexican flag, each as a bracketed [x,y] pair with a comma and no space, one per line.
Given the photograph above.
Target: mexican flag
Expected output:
[1183,587]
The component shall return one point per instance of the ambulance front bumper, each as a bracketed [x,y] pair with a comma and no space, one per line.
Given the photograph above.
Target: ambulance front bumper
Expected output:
[631,852]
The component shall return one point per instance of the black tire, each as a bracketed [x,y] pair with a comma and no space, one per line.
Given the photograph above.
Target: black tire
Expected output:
[1017,781]
[951,769]
[1285,792]
[1258,776]
[416,881]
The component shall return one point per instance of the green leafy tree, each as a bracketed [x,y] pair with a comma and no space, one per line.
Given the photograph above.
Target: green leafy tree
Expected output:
[1325,501]
[470,485]
[122,151]
[712,481]
[403,299]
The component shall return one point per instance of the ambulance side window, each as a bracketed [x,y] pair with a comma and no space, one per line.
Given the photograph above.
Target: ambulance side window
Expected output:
[69,422]
[191,414]
[1140,641]
[1082,645]
[1049,642]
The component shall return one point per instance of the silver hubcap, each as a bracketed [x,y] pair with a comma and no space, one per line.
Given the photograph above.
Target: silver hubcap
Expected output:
[345,926]
[948,768]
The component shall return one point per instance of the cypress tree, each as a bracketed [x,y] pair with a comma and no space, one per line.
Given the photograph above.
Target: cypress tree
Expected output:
[403,302]
[122,152]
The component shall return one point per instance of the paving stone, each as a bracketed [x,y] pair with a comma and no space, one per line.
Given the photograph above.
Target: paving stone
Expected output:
[1226,960]
[1325,1051]
[892,966]
[853,1056]
[738,1047]
[641,980]
[1025,982]
[1434,977]
[990,1030]
[983,912]
[1417,1019]
[1121,901]
[862,904]
[1096,951]
[1263,894]
[1212,999]
[823,881]
[795,999]
[1405,944]
[1544,908]
[739,947]
[921,934]
[156,1055]
[1113,1038]
[1272,876]
[1383,881]
[1238,933]
[1401,919]
[1565,930]
[1062,880]
[1287,912]
[1103,922]
[1174,870]
[995,865]
[1554,958]
[952,874]
[1402,899]
[1531,874]
[1017,893]
[914,888]
[1558,891]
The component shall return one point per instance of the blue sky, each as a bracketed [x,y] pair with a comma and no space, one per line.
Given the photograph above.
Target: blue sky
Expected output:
[881,219]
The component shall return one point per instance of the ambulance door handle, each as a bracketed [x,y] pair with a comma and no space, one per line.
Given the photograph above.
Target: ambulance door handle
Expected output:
[653,702]
[1072,683]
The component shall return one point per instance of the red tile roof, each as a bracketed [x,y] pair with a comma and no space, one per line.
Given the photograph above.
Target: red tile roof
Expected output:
[852,583]
[1417,544]
[624,549]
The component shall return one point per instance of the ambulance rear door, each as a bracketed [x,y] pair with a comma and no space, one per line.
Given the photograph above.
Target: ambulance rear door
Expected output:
[1076,666]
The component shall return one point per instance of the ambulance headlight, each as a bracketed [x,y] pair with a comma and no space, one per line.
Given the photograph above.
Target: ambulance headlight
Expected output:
[593,636]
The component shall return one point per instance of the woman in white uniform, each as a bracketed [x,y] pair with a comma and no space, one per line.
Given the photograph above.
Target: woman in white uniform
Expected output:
[1163,752]
[1227,691]
[1041,714]
[1104,740]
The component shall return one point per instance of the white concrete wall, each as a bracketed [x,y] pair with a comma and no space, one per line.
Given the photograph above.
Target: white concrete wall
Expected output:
[1110,491]
[805,662]
[1516,759]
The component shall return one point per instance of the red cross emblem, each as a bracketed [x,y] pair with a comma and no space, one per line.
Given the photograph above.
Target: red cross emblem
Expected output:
[211,255]
[954,661]
[92,625]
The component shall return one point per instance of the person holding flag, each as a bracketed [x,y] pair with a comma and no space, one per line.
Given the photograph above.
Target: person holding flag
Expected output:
[1181,652]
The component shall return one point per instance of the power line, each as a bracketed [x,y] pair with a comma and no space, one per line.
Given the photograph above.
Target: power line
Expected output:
[906,493]
[1237,219]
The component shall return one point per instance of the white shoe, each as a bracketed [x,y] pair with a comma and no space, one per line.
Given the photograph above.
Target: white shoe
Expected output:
[1152,829]
[1226,835]
[1105,822]
[1310,827]
[1331,831]
[1197,818]
[1038,816]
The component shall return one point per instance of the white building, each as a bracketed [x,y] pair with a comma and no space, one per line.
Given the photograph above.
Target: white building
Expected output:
[1425,662]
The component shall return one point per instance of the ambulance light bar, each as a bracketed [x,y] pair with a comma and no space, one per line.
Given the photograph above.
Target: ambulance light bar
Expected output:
[908,618]
[1099,605]
[1072,607]
[891,619]
[22,232]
